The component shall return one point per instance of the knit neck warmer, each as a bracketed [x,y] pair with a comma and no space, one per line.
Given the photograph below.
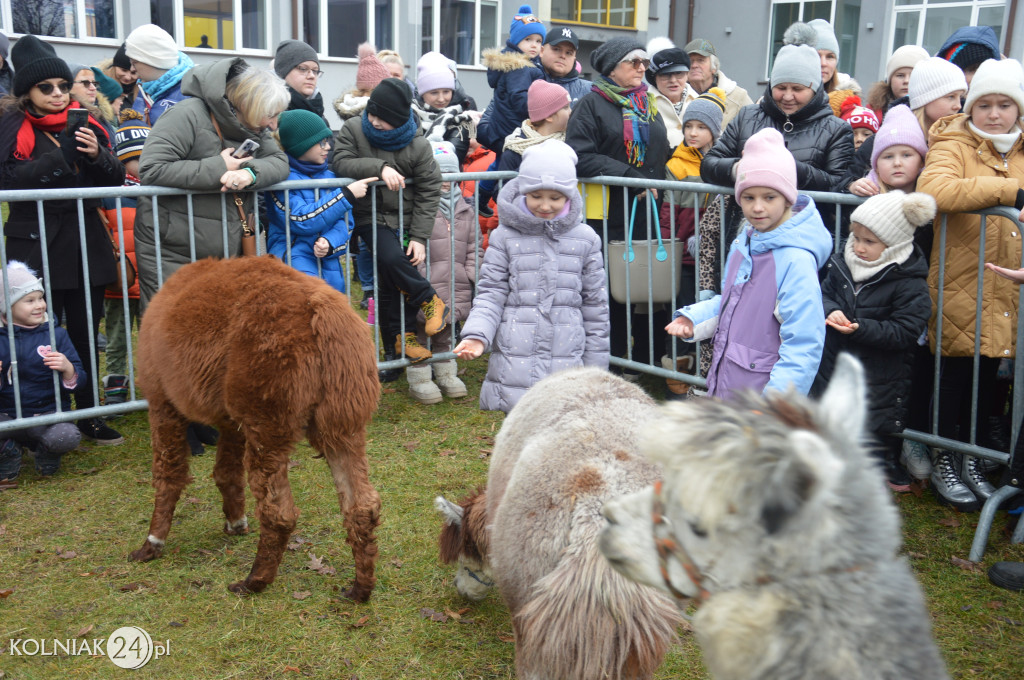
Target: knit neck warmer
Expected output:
[390,140]
[301,102]
[531,137]
[52,123]
[638,109]
[1002,143]
[306,168]
[168,81]
[862,270]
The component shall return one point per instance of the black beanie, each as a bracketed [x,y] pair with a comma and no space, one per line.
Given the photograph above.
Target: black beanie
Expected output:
[35,61]
[391,101]
[608,55]
[121,59]
[967,54]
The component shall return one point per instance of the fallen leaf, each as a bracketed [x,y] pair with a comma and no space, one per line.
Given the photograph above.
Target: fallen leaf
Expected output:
[85,631]
[294,464]
[361,622]
[411,446]
[916,555]
[301,595]
[428,613]
[193,500]
[388,390]
[917,487]
[67,555]
[3,529]
[297,542]
[347,662]
[90,471]
[506,637]
[966,565]
[995,604]
[949,522]
[291,669]
[1012,622]
[175,624]
[446,452]
[452,614]
[6,593]
[135,586]
[317,565]
[397,564]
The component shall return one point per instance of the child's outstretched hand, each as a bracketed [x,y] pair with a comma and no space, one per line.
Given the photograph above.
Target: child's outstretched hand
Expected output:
[839,321]
[321,247]
[863,187]
[1015,275]
[469,349]
[394,179]
[56,361]
[359,188]
[681,327]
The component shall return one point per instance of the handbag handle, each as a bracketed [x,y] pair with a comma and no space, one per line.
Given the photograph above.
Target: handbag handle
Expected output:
[246,229]
[661,254]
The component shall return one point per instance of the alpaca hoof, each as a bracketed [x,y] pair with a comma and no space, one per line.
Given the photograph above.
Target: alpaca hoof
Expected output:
[247,587]
[144,554]
[357,593]
[238,528]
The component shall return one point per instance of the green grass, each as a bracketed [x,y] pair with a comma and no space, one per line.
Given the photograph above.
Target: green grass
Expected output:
[98,508]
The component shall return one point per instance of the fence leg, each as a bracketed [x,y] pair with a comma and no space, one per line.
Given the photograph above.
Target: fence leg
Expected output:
[988,513]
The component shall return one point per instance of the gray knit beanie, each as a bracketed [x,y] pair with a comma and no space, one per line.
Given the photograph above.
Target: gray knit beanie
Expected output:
[798,64]
[708,108]
[291,53]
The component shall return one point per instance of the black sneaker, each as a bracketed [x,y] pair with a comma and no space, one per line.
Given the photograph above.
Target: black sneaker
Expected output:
[1009,575]
[386,375]
[95,430]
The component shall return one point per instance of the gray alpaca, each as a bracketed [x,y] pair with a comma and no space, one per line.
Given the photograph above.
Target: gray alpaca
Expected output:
[568,446]
[779,524]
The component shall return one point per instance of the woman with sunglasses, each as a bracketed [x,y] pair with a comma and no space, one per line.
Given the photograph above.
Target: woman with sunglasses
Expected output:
[85,89]
[37,152]
[617,130]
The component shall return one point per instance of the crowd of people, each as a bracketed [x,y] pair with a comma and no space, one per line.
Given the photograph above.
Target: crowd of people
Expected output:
[939,135]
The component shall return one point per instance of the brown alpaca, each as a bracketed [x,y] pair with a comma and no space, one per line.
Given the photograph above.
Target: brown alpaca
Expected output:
[268,355]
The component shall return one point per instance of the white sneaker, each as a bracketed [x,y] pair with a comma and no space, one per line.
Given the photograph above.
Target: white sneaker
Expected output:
[916,459]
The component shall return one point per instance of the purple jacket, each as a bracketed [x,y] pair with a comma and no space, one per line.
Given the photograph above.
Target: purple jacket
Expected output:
[768,323]
[541,303]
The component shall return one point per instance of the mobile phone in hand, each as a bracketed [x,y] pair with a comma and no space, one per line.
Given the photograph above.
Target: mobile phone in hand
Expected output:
[245,149]
[77,118]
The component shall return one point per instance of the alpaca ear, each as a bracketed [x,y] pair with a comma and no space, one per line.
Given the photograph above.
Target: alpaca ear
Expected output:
[842,409]
[809,471]
[452,513]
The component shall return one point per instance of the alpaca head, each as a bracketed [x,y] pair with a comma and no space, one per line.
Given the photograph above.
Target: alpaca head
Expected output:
[752,489]
[464,540]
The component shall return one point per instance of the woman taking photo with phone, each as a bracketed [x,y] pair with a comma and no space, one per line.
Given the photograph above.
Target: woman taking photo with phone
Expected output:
[42,150]
[192,146]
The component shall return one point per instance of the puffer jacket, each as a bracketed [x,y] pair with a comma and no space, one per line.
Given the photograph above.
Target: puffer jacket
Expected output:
[541,303]
[35,379]
[510,74]
[461,230]
[183,151]
[892,309]
[356,157]
[965,172]
[312,214]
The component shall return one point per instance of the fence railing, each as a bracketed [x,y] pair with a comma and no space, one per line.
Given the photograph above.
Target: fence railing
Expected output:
[604,184]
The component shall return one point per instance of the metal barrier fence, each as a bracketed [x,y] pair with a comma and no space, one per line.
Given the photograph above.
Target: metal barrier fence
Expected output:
[606,186]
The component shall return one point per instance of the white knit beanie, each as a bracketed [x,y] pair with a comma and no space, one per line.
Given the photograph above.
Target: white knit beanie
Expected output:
[152,45]
[932,78]
[548,165]
[892,217]
[904,57]
[997,77]
[434,71]
[826,36]
[22,281]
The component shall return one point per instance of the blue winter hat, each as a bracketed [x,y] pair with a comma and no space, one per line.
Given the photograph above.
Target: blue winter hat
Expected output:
[524,24]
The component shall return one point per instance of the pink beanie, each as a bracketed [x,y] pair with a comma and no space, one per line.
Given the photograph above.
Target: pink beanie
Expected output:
[545,99]
[371,70]
[766,162]
[434,72]
[900,126]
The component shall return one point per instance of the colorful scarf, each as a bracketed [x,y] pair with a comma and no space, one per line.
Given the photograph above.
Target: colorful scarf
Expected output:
[638,109]
[167,82]
[390,140]
[53,123]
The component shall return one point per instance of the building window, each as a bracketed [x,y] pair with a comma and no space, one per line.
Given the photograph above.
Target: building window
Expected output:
[63,18]
[929,22]
[459,29]
[335,28]
[217,24]
[787,12]
[617,13]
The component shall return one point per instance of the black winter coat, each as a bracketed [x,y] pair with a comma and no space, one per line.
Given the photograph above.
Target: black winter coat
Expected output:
[48,169]
[595,134]
[892,309]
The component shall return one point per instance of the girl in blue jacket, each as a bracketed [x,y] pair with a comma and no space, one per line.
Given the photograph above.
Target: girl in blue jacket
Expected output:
[310,229]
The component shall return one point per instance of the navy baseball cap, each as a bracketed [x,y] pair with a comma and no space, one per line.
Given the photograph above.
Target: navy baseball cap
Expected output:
[560,35]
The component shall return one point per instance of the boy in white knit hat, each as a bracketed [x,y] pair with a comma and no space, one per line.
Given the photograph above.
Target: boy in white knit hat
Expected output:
[876,302]
[160,65]
[36,363]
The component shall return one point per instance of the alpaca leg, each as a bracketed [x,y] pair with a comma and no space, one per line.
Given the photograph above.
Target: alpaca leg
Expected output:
[170,473]
[275,508]
[360,505]
[229,474]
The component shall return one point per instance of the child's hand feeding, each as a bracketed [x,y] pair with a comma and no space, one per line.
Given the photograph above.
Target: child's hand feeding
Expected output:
[839,321]
[1015,275]
[681,327]
[469,349]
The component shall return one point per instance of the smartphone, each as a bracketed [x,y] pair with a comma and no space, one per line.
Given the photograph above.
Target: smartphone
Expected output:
[245,149]
[77,118]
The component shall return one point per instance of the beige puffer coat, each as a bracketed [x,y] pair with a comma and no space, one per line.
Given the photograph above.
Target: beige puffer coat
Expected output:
[965,172]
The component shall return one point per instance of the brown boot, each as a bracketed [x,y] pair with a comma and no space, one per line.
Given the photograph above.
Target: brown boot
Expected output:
[683,364]
[413,349]
[436,315]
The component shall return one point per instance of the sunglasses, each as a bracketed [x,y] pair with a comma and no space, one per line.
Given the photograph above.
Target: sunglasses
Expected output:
[303,71]
[89,83]
[47,88]
[637,63]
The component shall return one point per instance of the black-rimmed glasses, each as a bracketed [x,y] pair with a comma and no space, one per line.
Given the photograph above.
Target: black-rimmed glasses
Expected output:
[303,71]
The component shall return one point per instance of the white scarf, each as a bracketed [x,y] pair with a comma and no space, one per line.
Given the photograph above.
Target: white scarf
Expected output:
[517,144]
[1002,143]
[862,270]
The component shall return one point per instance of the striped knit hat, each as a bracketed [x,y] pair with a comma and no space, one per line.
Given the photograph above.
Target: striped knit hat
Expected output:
[709,108]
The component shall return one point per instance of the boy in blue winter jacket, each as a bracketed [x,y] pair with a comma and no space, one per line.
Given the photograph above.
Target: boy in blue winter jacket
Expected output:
[37,361]
[310,228]
[770,286]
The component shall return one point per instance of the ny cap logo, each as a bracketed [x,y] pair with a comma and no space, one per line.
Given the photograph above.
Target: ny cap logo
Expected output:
[566,33]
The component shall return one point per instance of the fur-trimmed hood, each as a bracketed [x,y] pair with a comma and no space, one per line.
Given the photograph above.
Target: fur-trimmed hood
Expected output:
[505,60]
[513,216]
[349,105]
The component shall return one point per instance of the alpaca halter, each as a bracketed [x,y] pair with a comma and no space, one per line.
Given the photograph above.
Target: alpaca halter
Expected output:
[669,546]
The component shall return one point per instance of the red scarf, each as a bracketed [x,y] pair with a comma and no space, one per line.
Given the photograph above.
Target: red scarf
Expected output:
[53,122]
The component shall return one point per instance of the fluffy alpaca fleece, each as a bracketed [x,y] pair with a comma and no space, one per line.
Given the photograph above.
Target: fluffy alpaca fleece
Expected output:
[268,355]
[568,446]
[792,538]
